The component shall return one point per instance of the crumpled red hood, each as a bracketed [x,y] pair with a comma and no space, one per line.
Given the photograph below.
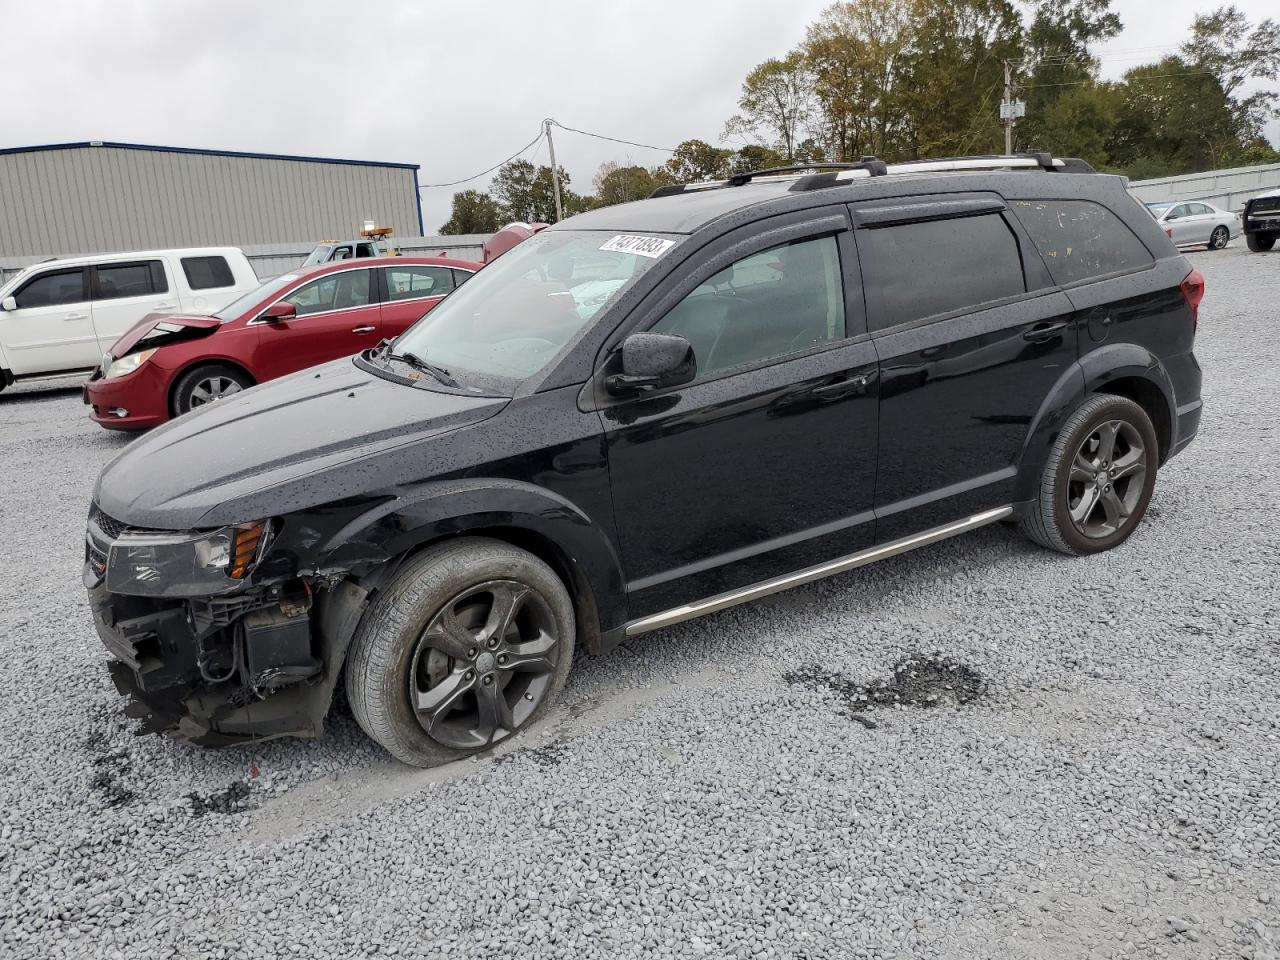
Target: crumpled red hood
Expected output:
[177,321]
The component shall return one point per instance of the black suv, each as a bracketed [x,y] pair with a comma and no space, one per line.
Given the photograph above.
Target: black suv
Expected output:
[643,414]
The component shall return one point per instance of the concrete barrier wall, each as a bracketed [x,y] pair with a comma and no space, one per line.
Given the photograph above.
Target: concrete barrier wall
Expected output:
[1226,189]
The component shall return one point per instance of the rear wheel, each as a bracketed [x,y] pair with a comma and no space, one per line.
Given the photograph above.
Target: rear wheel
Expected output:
[1219,239]
[471,643]
[206,384]
[1260,242]
[1098,479]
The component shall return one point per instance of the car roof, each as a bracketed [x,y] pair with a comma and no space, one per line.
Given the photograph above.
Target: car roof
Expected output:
[83,258]
[358,262]
[699,205]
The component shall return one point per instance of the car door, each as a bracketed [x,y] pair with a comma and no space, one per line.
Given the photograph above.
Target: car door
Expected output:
[337,316]
[970,344]
[51,327]
[1184,226]
[765,463]
[409,291]
[124,293]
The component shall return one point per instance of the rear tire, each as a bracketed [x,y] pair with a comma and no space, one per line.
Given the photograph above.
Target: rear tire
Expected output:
[207,383]
[1260,242]
[1098,479]
[470,644]
[1219,239]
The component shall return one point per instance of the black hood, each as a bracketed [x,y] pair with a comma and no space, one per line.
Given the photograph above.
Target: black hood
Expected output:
[303,440]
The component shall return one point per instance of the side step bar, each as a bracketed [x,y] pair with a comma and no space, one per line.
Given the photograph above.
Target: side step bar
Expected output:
[763,589]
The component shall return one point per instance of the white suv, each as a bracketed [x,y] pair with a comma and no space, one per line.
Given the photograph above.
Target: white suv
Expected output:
[61,315]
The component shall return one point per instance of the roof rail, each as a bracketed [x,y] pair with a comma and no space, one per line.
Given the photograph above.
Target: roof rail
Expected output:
[832,174]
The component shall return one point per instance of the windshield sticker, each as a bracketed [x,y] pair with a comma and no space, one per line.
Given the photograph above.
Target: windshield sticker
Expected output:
[651,247]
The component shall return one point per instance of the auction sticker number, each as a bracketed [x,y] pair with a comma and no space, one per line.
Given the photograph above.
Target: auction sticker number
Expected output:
[652,247]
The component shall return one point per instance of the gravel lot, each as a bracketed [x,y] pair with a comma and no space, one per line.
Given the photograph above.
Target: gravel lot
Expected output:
[1088,767]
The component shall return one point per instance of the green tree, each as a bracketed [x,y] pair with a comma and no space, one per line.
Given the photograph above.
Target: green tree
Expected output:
[1223,45]
[755,157]
[527,193]
[697,160]
[474,211]
[1174,118]
[777,104]
[618,184]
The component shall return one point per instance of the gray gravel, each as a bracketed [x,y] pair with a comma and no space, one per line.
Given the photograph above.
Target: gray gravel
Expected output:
[1100,780]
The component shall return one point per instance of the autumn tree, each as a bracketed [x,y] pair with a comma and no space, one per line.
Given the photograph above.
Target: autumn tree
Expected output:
[474,211]
[777,105]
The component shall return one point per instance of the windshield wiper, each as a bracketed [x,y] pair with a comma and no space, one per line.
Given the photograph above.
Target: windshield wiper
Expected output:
[415,361]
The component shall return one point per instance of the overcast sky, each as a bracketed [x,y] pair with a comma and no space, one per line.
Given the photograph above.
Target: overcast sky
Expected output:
[455,87]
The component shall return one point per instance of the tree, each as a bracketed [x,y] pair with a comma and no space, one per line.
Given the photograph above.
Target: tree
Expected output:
[777,104]
[1223,45]
[755,157]
[527,194]
[474,211]
[697,160]
[618,184]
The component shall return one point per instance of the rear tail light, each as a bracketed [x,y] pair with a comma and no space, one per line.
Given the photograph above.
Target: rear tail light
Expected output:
[1168,232]
[1193,289]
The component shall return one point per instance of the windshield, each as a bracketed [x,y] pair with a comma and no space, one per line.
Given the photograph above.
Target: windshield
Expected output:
[516,314]
[319,255]
[237,308]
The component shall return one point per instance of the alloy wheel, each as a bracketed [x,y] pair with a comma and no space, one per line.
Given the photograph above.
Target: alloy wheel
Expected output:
[213,388]
[1108,472]
[483,664]
[1219,238]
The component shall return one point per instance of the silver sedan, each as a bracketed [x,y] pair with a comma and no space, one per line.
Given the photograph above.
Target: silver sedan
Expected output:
[1196,224]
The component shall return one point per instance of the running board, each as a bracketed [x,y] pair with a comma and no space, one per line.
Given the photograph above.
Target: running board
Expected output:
[763,589]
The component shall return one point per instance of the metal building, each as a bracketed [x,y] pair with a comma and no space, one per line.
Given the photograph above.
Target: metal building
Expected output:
[98,197]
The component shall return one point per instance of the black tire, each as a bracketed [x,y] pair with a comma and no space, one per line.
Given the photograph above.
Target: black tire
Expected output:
[1080,509]
[396,658]
[188,391]
[1219,239]
[1260,242]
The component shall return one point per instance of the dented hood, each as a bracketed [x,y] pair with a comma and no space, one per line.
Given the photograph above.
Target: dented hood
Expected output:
[172,324]
[306,439]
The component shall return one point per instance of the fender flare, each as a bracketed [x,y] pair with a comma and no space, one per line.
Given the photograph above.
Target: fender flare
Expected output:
[375,542]
[1090,374]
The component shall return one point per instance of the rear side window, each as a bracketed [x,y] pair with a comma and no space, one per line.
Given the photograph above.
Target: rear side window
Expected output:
[460,277]
[1080,239]
[54,289]
[917,270]
[141,279]
[207,273]
[413,281]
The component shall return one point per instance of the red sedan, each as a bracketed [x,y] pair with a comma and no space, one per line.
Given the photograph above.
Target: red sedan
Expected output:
[168,363]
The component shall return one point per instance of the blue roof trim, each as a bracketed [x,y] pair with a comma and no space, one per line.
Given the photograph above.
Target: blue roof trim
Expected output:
[204,153]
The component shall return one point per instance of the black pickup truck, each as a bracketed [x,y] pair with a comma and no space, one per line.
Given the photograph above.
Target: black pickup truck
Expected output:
[1262,221]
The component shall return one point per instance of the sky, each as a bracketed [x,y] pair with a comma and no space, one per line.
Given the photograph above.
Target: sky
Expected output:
[455,87]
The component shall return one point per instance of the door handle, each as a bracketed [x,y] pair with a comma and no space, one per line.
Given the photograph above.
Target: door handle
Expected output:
[846,387]
[363,330]
[165,306]
[1044,331]
[76,316]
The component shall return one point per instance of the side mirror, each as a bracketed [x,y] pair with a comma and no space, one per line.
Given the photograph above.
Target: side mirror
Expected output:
[1172,216]
[279,312]
[651,361]
[8,304]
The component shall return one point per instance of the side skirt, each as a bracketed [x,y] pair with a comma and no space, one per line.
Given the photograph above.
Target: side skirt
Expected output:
[763,589]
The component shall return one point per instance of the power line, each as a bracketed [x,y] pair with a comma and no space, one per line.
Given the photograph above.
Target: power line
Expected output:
[1158,76]
[600,136]
[477,176]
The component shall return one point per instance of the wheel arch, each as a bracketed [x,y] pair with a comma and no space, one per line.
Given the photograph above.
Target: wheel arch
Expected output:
[1123,369]
[206,361]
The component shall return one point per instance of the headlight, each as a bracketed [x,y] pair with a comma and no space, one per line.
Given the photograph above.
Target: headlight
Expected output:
[185,564]
[129,363]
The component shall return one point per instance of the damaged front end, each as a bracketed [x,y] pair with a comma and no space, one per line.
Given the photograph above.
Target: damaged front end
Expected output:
[210,644]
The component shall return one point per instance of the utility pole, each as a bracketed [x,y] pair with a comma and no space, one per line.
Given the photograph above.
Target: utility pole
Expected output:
[1010,109]
[555,171]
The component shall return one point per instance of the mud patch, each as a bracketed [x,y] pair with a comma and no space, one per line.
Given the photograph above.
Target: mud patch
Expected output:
[919,680]
[108,778]
[233,798]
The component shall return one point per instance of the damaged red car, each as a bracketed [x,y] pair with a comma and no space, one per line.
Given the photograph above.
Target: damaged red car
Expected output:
[166,364]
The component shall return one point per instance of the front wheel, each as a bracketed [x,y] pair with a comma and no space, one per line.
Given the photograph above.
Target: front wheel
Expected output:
[1098,479]
[1219,239]
[206,384]
[1260,242]
[470,644]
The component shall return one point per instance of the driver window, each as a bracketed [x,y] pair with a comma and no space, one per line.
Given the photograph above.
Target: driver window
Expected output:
[777,302]
[337,291]
[1179,211]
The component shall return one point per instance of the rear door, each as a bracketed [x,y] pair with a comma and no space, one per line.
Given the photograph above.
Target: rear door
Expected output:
[52,327]
[411,290]
[764,464]
[970,343]
[337,316]
[125,292]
